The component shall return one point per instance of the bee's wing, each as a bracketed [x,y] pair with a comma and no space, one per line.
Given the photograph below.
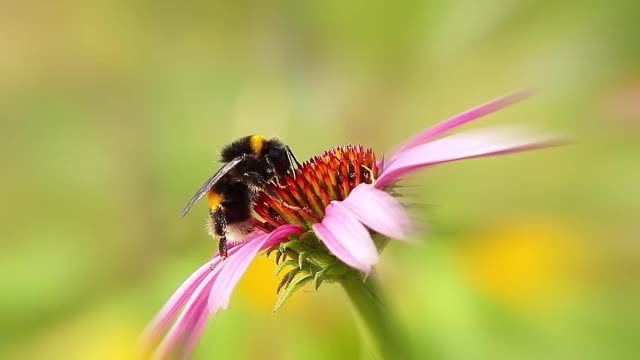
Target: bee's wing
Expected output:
[209,184]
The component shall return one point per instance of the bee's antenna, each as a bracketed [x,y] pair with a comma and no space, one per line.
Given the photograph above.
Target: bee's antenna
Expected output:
[290,156]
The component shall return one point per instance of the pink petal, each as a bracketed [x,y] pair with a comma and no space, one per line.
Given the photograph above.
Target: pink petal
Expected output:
[379,211]
[462,146]
[177,301]
[192,310]
[197,325]
[173,305]
[186,331]
[459,120]
[347,238]
[235,267]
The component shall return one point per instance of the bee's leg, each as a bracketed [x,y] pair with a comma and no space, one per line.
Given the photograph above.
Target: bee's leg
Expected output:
[222,247]
[220,228]
[274,195]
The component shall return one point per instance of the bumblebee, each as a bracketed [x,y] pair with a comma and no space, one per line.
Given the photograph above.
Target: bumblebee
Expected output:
[250,163]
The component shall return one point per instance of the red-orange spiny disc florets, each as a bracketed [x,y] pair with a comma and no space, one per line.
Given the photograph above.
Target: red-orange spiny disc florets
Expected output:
[303,199]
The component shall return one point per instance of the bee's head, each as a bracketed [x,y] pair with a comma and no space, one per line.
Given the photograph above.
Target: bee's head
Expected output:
[277,155]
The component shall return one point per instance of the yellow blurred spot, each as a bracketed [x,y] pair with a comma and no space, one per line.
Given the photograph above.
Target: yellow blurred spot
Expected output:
[523,263]
[258,286]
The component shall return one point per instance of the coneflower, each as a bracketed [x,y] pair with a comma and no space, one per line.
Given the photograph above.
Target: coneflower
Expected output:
[328,222]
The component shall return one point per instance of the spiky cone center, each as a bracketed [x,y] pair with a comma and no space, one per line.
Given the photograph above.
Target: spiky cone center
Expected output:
[301,199]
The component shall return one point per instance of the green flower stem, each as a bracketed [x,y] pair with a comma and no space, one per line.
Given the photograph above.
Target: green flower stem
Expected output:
[381,335]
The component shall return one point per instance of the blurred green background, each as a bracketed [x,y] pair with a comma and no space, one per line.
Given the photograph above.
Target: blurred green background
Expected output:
[113,113]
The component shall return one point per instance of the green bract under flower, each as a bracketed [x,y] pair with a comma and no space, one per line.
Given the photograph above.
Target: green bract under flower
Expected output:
[302,199]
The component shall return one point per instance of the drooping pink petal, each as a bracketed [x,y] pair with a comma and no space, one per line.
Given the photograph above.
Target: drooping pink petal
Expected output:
[460,119]
[379,211]
[347,238]
[463,146]
[198,324]
[168,312]
[173,305]
[185,332]
[236,266]
[175,338]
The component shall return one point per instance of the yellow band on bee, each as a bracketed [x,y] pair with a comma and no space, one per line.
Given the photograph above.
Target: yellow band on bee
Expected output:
[256,142]
[214,199]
